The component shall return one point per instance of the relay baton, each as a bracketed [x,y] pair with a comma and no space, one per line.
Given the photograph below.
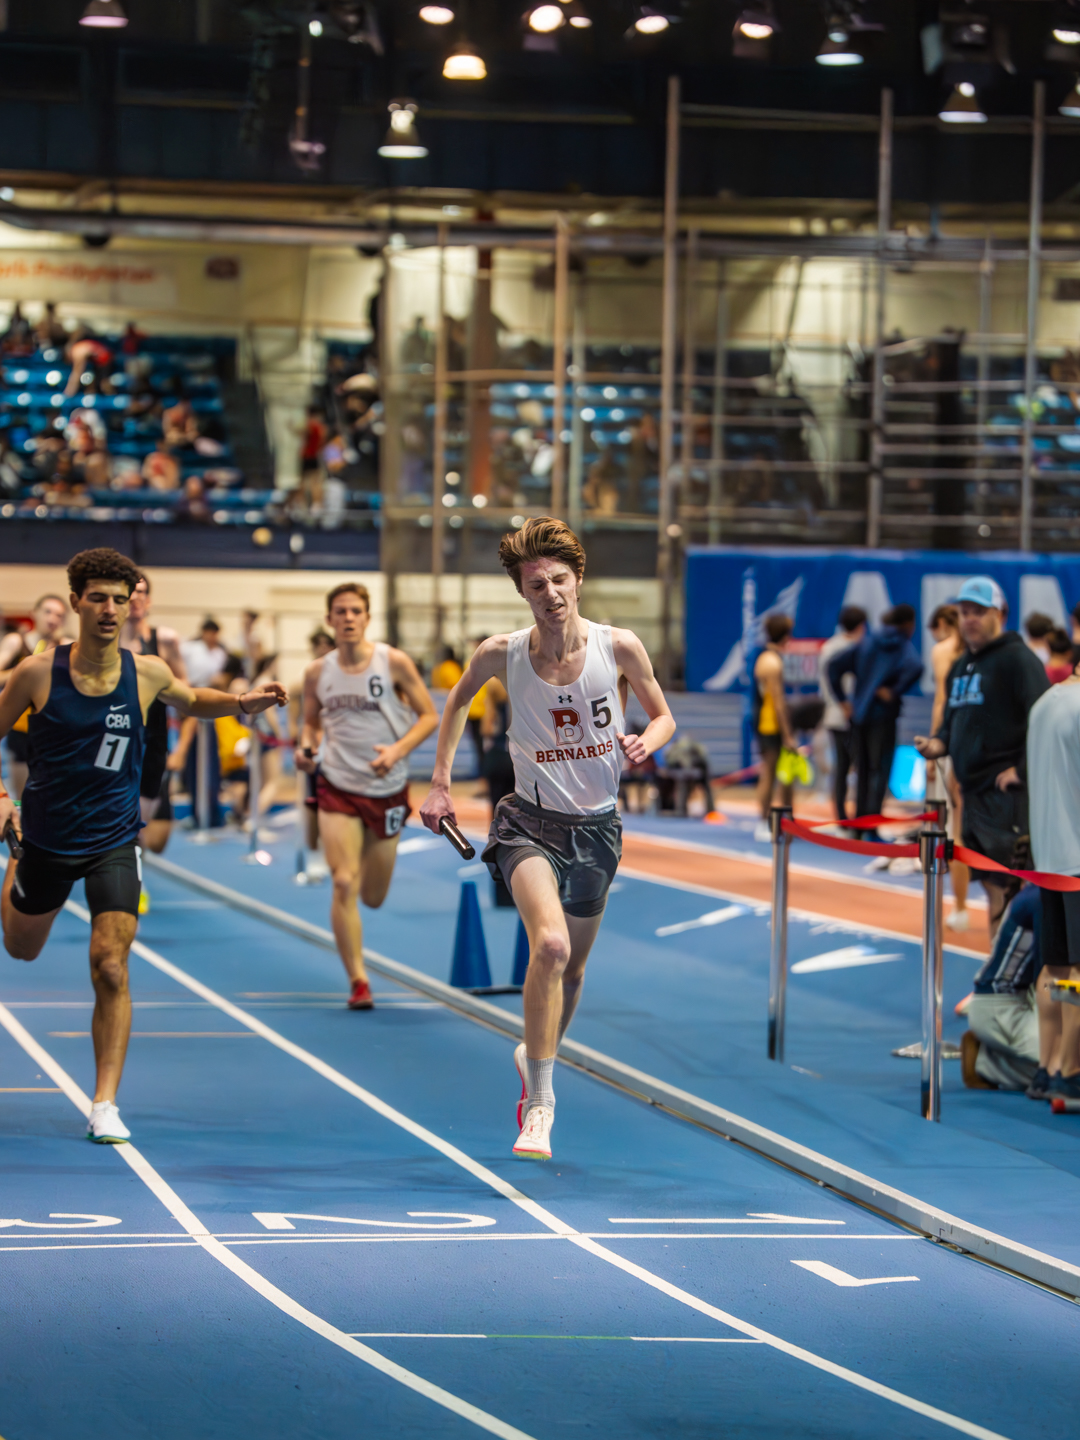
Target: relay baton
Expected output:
[13,841]
[456,838]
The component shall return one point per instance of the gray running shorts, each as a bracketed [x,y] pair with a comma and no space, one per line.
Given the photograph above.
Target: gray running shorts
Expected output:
[583,850]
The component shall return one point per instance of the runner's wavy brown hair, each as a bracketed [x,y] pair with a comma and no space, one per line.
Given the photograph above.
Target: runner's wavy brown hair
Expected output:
[541,538]
[101,564]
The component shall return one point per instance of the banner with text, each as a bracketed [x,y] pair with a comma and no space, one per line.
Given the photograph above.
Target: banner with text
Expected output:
[730,591]
[136,279]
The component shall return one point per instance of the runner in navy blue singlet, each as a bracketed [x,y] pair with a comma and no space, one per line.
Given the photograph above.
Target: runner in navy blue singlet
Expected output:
[80,819]
[86,756]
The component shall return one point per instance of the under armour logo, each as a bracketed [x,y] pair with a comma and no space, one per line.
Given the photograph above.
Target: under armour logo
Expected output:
[565,699]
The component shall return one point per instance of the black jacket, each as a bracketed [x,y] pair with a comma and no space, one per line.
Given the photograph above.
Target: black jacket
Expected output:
[987,699]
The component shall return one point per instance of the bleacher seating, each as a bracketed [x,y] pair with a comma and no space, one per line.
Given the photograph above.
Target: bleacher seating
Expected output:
[164,370]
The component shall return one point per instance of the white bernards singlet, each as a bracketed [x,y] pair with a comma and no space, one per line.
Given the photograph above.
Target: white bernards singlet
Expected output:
[562,737]
[359,712]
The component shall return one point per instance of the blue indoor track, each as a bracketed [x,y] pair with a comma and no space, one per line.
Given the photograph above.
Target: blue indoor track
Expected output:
[318,1230]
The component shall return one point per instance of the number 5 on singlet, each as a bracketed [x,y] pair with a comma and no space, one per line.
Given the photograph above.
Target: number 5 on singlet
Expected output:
[110,755]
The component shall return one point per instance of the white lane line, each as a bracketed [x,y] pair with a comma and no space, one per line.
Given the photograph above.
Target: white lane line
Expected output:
[234,1242]
[760,1217]
[641,1339]
[118,1245]
[530,1207]
[190,1222]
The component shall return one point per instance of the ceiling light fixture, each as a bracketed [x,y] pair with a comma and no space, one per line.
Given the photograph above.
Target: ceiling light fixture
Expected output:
[402,139]
[650,21]
[1071,104]
[104,15]
[545,18]
[436,14]
[1065,35]
[464,63]
[754,29]
[756,23]
[577,16]
[315,28]
[838,51]
[962,106]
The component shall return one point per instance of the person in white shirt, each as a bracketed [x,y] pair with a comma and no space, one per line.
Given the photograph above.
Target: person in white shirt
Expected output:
[557,840]
[205,656]
[367,708]
[1053,764]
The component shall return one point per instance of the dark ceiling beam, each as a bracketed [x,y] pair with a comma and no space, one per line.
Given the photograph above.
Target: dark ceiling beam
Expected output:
[901,249]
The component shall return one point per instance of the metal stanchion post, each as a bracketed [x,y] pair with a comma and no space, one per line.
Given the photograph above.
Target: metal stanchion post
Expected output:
[778,953]
[254,792]
[934,865]
[204,738]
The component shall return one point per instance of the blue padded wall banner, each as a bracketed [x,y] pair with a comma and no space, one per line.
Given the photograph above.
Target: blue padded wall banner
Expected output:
[730,591]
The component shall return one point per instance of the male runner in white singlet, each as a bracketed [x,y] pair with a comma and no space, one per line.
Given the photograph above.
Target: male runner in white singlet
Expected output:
[368,707]
[557,840]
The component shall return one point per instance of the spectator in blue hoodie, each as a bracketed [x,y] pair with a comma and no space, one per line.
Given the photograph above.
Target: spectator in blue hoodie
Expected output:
[886,666]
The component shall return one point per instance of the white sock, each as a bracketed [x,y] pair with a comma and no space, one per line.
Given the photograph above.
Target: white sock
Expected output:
[541,1091]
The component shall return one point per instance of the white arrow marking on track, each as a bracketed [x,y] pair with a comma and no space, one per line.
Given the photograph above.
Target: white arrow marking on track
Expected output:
[714,917]
[845,959]
[841,1277]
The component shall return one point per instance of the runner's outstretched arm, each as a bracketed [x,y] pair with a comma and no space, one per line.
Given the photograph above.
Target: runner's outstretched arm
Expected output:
[634,663]
[209,704]
[488,661]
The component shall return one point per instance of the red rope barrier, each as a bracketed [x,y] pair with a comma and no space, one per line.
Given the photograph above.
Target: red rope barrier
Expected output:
[854,847]
[871,822]
[1044,879]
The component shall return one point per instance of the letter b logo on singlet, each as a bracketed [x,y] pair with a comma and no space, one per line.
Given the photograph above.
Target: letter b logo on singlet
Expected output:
[568,727]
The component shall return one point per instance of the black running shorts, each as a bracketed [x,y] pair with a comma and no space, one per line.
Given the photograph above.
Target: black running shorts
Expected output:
[583,850]
[995,823]
[43,880]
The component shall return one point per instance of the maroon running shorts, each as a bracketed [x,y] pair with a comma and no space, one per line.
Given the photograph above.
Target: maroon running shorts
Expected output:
[384,815]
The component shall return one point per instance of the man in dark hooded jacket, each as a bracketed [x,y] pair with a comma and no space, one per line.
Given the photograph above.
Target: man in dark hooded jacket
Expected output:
[988,694]
[886,666]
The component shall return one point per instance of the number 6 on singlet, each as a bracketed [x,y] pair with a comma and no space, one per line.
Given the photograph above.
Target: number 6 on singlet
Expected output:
[110,755]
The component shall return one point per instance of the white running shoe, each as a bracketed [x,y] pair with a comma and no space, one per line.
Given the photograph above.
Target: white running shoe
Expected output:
[523,1074]
[762,833]
[904,865]
[879,862]
[958,920]
[106,1127]
[534,1142]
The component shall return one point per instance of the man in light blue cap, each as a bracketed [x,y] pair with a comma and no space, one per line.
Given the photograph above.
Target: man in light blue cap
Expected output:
[989,692]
